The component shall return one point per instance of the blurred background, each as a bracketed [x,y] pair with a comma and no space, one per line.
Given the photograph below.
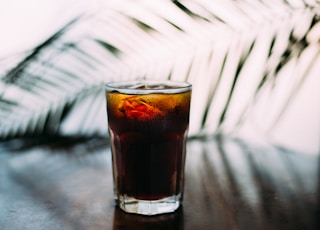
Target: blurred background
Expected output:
[254,65]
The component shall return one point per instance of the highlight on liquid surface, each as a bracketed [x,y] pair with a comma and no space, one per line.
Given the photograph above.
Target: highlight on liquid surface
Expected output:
[148,135]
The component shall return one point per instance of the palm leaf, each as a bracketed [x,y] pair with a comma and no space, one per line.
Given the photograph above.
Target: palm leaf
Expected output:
[235,53]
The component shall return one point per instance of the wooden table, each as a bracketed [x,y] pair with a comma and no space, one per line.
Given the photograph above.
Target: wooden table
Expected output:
[66,183]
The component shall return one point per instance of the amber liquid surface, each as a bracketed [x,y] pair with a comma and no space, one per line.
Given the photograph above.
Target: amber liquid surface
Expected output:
[148,134]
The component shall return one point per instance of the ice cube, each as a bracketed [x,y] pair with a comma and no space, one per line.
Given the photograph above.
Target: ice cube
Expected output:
[148,86]
[138,86]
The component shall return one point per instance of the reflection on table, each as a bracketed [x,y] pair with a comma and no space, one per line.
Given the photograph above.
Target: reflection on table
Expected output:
[230,184]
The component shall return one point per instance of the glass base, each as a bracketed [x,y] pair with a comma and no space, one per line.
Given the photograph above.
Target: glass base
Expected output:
[149,207]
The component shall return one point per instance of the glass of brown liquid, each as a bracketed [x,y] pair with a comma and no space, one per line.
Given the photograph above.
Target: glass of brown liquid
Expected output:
[148,122]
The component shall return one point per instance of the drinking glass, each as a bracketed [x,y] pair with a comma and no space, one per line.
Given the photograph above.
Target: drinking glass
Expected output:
[148,122]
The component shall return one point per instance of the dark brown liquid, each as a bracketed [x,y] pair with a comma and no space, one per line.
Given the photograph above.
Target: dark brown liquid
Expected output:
[148,146]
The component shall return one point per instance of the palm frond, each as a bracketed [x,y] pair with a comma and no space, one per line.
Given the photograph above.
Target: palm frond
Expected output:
[237,55]
[17,71]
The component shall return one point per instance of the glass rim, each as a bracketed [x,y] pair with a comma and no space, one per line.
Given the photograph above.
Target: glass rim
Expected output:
[130,86]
